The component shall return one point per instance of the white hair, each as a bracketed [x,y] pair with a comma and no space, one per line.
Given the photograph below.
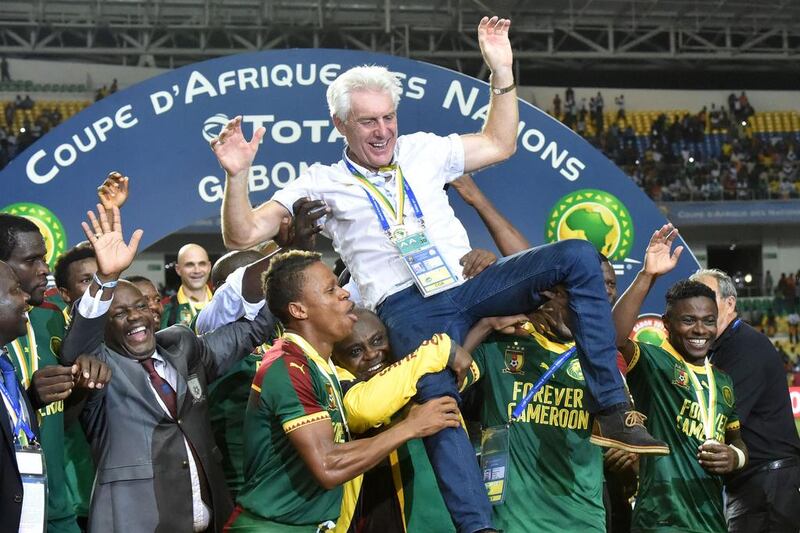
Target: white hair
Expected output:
[365,77]
[727,287]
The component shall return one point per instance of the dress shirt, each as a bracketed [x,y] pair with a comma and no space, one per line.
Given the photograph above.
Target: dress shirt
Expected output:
[428,162]
[93,307]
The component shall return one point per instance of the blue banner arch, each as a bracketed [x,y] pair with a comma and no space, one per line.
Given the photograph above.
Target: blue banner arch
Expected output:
[157,131]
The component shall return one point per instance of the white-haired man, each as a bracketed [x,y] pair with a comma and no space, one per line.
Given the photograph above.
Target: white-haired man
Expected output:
[378,195]
[757,495]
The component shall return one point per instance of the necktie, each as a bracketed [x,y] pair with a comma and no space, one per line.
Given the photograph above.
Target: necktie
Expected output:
[164,390]
[9,380]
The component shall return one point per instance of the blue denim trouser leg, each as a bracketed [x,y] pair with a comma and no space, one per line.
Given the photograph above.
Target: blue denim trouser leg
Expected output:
[511,286]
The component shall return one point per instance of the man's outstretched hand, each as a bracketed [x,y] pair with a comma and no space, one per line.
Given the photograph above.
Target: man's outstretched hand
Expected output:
[234,153]
[113,191]
[494,43]
[113,255]
[659,258]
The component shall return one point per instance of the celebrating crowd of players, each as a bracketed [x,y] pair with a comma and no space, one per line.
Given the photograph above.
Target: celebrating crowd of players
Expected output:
[293,399]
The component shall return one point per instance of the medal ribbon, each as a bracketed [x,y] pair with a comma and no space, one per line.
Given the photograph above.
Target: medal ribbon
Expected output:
[708,411]
[325,368]
[380,202]
[29,364]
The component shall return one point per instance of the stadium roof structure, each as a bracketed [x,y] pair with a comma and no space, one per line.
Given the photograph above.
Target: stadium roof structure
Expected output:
[632,35]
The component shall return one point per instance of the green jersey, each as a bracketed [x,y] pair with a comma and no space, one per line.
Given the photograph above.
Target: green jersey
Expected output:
[227,402]
[292,389]
[39,348]
[179,309]
[675,493]
[554,481]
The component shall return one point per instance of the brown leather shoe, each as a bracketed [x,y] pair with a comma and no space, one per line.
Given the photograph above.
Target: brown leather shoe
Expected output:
[624,429]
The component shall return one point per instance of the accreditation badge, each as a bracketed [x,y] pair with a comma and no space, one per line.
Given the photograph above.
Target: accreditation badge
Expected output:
[494,462]
[423,260]
[30,462]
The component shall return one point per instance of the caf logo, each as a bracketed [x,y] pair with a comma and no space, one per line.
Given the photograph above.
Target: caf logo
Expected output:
[514,359]
[649,329]
[595,216]
[55,238]
[331,397]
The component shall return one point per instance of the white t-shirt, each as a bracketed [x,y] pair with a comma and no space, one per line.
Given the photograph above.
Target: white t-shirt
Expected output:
[428,162]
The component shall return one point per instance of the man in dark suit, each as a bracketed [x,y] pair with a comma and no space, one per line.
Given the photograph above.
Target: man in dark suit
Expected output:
[49,384]
[158,468]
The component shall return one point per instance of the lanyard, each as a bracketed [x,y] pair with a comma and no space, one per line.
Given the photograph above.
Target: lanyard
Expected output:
[377,198]
[29,364]
[325,370]
[17,417]
[558,363]
[707,411]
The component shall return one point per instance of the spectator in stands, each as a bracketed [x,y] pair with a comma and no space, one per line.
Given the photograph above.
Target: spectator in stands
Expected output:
[599,119]
[27,103]
[793,321]
[557,106]
[113,87]
[755,499]
[620,102]
[5,75]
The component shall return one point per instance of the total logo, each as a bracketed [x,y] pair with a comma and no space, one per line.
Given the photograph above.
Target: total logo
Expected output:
[598,217]
[278,131]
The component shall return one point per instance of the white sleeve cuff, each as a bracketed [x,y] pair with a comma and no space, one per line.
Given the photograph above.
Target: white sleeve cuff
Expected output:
[92,306]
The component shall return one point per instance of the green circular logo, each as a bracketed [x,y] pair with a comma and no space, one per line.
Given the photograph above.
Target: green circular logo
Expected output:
[595,216]
[55,238]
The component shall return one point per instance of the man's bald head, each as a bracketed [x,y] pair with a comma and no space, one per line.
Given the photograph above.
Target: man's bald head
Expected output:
[193,266]
[229,262]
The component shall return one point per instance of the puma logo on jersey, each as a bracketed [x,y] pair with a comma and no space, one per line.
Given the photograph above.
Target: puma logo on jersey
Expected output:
[299,367]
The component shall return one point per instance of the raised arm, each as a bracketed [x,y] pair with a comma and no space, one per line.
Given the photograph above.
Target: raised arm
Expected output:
[507,237]
[243,226]
[498,139]
[332,464]
[658,260]
[372,403]
[113,257]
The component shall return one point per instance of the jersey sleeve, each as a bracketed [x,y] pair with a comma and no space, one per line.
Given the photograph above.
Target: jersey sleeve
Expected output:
[476,369]
[288,392]
[372,403]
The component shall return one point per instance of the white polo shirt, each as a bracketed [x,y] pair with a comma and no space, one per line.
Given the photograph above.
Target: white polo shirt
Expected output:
[428,162]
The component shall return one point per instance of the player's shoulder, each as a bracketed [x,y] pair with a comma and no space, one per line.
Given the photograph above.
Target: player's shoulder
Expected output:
[283,363]
[48,314]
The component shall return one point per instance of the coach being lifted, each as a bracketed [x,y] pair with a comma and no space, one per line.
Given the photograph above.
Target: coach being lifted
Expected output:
[391,223]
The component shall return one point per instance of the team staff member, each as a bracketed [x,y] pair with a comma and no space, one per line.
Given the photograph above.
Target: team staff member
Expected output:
[298,449]
[193,267]
[688,402]
[157,465]
[22,248]
[759,497]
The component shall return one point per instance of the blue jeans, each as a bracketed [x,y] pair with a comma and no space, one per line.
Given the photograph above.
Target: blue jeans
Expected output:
[510,286]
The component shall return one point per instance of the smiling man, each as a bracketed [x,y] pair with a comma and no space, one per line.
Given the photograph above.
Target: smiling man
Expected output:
[688,402]
[194,268]
[392,224]
[157,466]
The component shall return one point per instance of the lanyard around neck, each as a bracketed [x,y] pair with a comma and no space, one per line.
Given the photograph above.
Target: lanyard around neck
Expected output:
[326,369]
[28,364]
[22,430]
[380,202]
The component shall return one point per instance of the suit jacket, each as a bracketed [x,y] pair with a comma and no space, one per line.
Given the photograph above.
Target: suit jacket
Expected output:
[143,482]
[10,480]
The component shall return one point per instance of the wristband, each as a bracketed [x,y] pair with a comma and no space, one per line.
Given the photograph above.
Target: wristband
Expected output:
[106,285]
[498,91]
[740,459]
